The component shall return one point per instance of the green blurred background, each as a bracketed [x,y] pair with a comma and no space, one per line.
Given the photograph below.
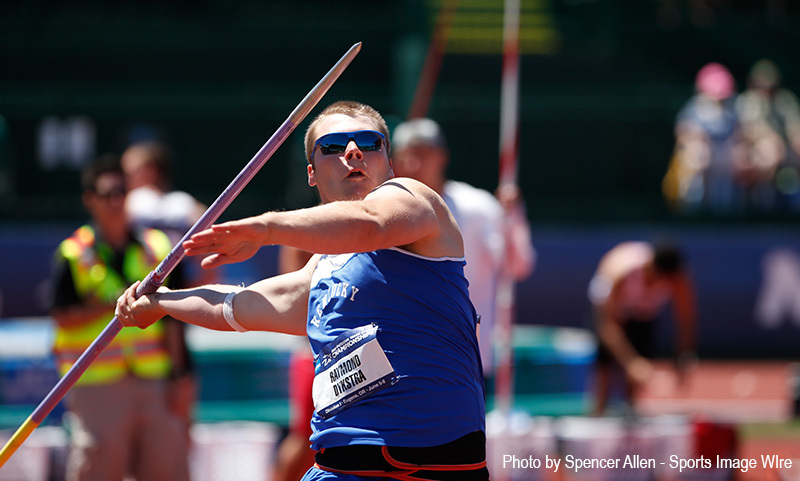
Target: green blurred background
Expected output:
[601,83]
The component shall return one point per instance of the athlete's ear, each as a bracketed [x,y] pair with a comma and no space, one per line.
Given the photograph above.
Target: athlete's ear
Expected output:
[312,179]
[391,169]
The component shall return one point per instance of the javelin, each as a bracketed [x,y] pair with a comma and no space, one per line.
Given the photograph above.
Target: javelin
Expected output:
[156,278]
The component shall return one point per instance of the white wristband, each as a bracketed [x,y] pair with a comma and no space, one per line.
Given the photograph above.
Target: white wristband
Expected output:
[227,312]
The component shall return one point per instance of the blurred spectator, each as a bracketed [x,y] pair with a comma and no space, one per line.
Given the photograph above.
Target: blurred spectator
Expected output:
[151,201]
[152,204]
[633,283]
[770,119]
[118,411]
[496,232]
[708,153]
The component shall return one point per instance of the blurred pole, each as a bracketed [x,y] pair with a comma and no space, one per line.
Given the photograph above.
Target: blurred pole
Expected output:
[156,278]
[509,144]
[433,61]
[509,95]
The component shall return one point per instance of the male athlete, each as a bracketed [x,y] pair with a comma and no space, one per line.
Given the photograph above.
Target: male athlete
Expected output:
[398,390]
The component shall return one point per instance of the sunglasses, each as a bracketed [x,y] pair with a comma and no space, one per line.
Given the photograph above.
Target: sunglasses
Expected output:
[113,193]
[336,143]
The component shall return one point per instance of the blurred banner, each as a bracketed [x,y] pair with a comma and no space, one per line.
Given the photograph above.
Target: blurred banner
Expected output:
[747,279]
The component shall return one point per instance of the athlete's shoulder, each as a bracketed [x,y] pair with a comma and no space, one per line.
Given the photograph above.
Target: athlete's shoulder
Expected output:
[411,186]
[406,183]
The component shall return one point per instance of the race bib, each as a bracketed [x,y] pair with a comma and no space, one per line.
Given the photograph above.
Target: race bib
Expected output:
[348,369]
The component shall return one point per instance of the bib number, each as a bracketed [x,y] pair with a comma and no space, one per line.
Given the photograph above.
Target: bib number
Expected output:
[350,368]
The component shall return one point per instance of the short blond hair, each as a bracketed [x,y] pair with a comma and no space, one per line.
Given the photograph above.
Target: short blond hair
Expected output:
[351,109]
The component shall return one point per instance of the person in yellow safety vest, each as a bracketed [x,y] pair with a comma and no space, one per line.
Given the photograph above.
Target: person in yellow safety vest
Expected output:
[118,412]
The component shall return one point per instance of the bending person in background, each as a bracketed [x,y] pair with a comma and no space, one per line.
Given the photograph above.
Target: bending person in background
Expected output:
[633,284]
[497,238]
[384,303]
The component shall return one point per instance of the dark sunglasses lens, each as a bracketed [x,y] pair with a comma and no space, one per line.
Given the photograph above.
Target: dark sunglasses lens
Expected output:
[333,143]
[368,141]
[336,143]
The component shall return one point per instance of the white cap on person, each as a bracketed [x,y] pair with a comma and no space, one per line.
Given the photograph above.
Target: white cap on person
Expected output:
[417,132]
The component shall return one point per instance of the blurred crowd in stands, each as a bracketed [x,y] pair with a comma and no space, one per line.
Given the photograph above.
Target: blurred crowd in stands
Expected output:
[736,152]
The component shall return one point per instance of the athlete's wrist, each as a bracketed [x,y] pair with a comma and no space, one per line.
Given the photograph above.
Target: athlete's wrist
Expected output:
[157,300]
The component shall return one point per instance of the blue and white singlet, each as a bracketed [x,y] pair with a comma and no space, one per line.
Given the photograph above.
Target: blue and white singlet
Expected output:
[397,359]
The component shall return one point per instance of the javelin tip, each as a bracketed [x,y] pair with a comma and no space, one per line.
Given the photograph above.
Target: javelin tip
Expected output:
[17,439]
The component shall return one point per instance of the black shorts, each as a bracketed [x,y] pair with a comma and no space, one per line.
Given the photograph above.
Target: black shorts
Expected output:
[641,335]
[461,460]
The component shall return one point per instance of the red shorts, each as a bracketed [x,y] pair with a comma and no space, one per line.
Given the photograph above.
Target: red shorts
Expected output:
[301,380]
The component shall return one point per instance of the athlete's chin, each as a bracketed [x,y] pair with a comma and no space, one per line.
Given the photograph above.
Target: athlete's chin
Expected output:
[358,190]
[356,195]
[347,194]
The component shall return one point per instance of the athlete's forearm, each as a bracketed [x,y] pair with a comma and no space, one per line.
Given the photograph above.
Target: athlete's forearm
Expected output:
[200,306]
[389,217]
[393,215]
[275,304]
[335,228]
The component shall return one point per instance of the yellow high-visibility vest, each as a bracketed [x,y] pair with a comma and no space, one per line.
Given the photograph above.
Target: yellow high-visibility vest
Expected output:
[140,352]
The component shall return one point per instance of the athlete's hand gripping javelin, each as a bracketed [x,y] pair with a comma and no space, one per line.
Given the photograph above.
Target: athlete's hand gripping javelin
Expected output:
[147,309]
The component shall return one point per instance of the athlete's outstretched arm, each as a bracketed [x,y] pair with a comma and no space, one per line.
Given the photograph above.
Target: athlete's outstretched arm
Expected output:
[399,213]
[277,304]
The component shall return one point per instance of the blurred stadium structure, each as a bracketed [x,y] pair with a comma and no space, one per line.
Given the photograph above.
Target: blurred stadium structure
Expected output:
[601,83]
